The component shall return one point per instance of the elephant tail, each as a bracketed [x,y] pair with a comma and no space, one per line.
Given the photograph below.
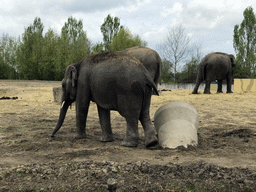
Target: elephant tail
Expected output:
[201,73]
[159,69]
[151,83]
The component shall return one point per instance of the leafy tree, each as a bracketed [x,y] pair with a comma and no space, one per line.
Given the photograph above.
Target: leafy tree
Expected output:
[124,39]
[29,51]
[72,46]
[49,52]
[109,29]
[244,42]
[97,48]
[166,74]
[46,57]
[63,55]
[4,68]
[82,47]
[190,68]
[8,68]
[78,41]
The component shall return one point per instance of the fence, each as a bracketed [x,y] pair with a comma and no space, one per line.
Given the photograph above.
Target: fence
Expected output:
[239,86]
[190,86]
[244,85]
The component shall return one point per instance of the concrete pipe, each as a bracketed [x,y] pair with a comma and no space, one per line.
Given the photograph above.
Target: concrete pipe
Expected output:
[176,110]
[176,124]
[57,91]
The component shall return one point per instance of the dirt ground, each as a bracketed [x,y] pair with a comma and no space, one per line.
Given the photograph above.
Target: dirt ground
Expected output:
[224,160]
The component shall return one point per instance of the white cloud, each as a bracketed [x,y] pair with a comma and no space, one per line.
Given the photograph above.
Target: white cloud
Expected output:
[6,6]
[215,22]
[213,4]
[212,22]
[176,9]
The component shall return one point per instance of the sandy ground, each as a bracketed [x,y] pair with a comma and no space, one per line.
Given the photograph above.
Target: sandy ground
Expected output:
[227,136]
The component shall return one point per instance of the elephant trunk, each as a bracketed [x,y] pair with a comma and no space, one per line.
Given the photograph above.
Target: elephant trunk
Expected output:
[63,112]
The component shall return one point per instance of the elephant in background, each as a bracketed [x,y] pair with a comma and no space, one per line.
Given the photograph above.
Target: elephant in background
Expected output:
[215,66]
[114,81]
[150,59]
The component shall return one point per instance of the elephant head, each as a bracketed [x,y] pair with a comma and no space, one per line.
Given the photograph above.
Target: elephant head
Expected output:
[69,89]
[232,59]
[69,85]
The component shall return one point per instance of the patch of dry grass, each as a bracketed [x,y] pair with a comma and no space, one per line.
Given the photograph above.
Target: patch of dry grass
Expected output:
[229,109]
[30,119]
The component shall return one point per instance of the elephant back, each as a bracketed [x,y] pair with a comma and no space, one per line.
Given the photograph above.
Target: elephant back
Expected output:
[100,57]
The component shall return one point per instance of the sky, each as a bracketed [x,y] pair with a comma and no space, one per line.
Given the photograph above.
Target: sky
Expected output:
[210,24]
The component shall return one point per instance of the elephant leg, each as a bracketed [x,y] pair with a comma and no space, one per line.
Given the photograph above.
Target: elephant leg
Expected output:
[132,134]
[149,131]
[207,87]
[219,86]
[81,117]
[196,88]
[129,106]
[82,106]
[229,84]
[104,116]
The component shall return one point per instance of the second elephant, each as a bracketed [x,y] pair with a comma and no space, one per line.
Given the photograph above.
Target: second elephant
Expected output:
[215,66]
[149,58]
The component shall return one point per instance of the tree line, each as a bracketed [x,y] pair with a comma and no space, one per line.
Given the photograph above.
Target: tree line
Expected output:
[45,56]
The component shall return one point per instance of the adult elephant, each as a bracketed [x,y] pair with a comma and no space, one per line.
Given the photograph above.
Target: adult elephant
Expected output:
[150,59]
[215,66]
[114,81]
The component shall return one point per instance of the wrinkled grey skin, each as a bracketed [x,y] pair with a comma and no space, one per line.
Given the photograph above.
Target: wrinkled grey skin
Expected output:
[150,59]
[215,66]
[114,82]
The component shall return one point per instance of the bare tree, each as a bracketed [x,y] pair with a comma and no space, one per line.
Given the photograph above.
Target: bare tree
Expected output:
[175,47]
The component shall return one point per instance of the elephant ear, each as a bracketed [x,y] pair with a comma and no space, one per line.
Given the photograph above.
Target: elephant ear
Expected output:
[72,74]
[232,59]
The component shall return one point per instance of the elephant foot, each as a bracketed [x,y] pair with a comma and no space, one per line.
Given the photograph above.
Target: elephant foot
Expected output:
[129,142]
[151,141]
[194,92]
[207,92]
[229,91]
[52,138]
[219,91]
[107,138]
[80,135]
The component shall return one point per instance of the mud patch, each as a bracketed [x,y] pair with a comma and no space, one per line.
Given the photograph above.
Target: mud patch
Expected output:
[7,98]
[128,176]
[241,133]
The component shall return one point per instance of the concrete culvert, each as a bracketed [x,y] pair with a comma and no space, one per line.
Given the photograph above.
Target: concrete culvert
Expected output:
[176,124]
[57,94]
